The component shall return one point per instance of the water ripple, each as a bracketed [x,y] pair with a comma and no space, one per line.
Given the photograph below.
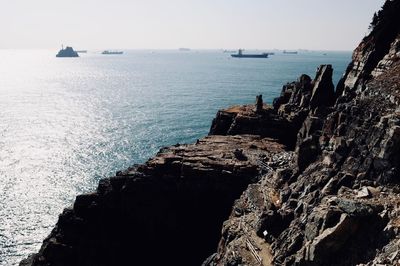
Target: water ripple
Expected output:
[66,123]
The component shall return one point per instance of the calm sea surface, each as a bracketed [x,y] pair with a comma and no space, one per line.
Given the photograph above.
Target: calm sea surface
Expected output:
[67,122]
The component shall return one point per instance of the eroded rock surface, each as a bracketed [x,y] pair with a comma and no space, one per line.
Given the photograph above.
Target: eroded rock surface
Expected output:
[168,211]
[283,120]
[337,201]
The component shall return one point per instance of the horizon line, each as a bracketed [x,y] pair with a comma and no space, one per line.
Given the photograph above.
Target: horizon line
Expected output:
[190,49]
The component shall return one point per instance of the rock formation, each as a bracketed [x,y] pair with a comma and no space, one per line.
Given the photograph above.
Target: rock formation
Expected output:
[67,52]
[259,104]
[336,203]
[311,180]
[167,211]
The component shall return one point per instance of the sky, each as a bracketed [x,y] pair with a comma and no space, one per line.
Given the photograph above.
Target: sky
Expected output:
[197,24]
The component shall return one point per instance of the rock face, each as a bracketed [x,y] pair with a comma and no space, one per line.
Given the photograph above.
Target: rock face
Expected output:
[168,211]
[311,180]
[284,120]
[377,51]
[323,91]
[336,202]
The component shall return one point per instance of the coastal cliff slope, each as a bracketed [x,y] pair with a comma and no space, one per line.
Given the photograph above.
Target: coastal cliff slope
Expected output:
[338,201]
[311,180]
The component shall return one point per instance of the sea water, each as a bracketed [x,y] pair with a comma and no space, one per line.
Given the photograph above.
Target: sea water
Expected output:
[65,123]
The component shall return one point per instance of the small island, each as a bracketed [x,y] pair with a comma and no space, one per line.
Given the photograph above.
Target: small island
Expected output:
[67,52]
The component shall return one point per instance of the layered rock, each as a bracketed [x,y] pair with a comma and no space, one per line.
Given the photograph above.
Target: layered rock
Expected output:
[336,203]
[283,120]
[374,53]
[240,120]
[167,211]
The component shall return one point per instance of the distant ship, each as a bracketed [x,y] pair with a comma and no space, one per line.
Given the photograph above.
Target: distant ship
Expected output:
[289,52]
[81,51]
[241,55]
[67,52]
[229,51]
[184,49]
[112,52]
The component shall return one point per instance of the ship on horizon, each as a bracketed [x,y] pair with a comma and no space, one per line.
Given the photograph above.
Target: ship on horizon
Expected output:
[290,52]
[112,52]
[241,55]
[228,51]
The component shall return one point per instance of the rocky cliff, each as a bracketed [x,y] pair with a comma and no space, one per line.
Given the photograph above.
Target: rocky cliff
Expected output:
[337,201]
[167,211]
[311,180]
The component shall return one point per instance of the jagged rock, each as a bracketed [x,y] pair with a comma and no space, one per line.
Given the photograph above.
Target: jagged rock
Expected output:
[307,152]
[259,104]
[305,82]
[363,193]
[244,120]
[284,120]
[222,122]
[372,49]
[341,151]
[330,240]
[323,93]
[295,93]
[179,192]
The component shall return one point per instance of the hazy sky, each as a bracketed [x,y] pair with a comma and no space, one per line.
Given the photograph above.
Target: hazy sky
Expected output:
[107,24]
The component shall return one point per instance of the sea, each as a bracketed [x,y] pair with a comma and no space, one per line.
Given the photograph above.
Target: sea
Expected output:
[65,123]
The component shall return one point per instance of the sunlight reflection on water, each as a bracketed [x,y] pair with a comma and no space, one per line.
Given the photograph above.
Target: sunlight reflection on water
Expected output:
[66,123]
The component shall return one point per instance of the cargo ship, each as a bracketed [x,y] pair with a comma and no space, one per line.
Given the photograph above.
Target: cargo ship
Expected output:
[289,52]
[241,55]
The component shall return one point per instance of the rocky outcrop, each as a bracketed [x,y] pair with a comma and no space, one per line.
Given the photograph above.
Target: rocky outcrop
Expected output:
[240,120]
[168,211]
[373,49]
[323,91]
[336,202]
[283,120]
[259,104]
[311,180]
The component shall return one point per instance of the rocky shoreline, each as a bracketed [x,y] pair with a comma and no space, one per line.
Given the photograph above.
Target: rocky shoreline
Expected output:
[311,180]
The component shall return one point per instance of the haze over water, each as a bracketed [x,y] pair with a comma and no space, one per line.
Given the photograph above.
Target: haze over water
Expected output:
[67,122]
